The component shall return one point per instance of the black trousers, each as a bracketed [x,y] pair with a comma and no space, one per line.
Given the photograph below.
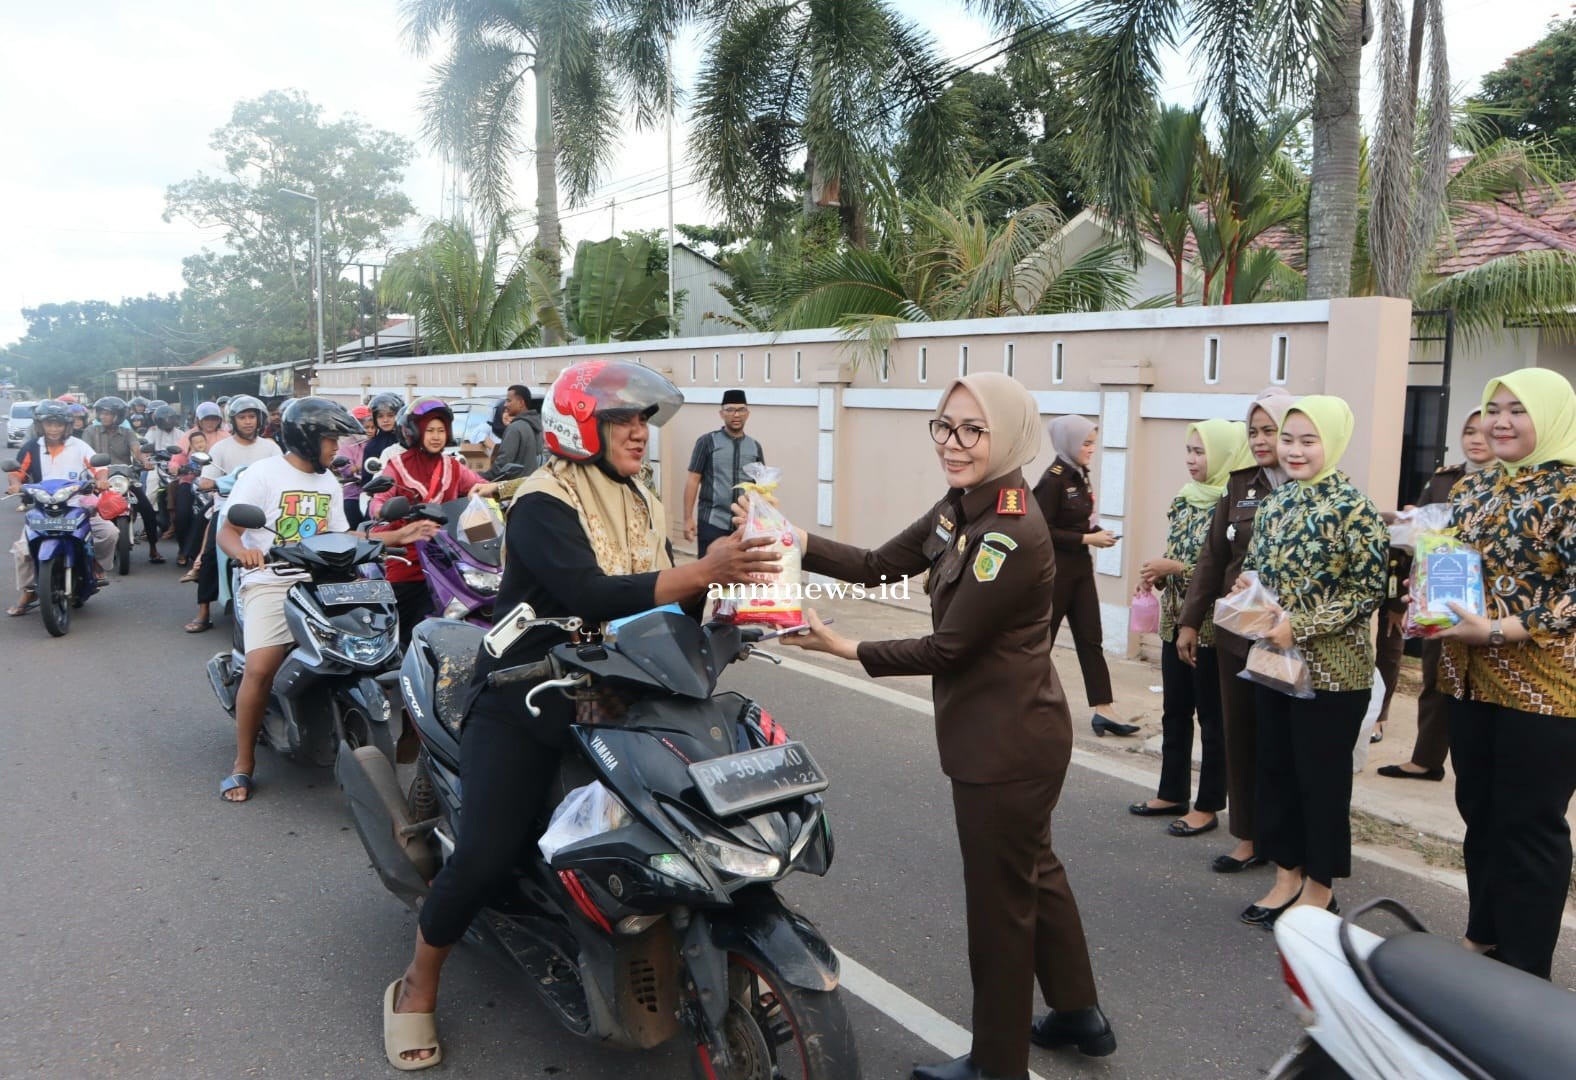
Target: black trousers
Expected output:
[705,536]
[1389,647]
[1305,780]
[1515,774]
[1433,713]
[353,514]
[1074,598]
[414,602]
[505,775]
[190,528]
[1239,711]
[208,576]
[1189,691]
[150,520]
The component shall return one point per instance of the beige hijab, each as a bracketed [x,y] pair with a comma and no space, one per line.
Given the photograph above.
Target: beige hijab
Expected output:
[1067,436]
[623,521]
[1011,416]
[1275,401]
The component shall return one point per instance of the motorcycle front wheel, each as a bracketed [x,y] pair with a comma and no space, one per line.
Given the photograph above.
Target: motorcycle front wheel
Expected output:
[123,547]
[54,599]
[776,1031]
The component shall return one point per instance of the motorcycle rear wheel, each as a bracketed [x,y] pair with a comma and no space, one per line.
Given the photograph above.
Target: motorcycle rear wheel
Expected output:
[123,547]
[1307,1061]
[777,1031]
[54,599]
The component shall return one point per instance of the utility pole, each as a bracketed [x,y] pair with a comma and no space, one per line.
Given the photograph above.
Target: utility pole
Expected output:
[317,260]
[671,328]
[612,216]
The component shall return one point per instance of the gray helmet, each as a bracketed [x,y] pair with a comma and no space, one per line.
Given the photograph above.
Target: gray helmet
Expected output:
[52,410]
[113,405]
[245,403]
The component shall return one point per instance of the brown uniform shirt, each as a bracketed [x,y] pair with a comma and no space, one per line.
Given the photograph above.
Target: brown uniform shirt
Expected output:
[1225,548]
[1000,711]
[1068,505]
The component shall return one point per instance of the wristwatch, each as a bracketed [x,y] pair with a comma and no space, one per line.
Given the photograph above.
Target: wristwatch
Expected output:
[1496,636]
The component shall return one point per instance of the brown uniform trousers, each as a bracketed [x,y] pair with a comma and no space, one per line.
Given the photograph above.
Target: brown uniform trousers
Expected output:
[1219,564]
[1005,741]
[1065,499]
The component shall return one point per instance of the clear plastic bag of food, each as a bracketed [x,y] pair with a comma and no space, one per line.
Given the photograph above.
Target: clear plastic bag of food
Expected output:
[1249,613]
[778,602]
[1285,670]
[585,812]
[1408,525]
[1445,571]
[481,520]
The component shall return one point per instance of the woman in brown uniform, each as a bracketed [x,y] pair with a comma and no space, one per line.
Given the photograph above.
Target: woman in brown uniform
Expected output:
[1067,501]
[1002,725]
[1219,565]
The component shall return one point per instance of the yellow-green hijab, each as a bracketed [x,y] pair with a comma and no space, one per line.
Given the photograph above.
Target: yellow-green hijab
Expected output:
[1549,400]
[1332,418]
[1225,444]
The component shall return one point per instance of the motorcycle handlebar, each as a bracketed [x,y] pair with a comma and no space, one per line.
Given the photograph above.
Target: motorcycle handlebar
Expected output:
[520,674]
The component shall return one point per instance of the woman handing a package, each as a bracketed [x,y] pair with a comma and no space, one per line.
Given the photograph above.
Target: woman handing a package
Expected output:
[1319,548]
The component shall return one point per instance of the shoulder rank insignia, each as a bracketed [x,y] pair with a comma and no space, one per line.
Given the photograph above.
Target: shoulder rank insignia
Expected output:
[990,558]
[1056,470]
[1009,501]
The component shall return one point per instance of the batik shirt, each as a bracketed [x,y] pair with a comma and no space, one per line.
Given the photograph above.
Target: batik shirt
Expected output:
[1320,548]
[1524,526]
[1186,527]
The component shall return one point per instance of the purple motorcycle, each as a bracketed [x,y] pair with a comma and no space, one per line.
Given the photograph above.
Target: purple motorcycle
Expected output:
[462,575]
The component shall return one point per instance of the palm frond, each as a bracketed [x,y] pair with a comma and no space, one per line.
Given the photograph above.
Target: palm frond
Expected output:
[1098,280]
[1527,288]
[586,122]
[843,283]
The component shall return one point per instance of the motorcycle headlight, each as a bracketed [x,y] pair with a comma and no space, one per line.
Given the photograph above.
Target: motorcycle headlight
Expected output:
[119,484]
[740,861]
[353,648]
[481,581]
[678,868]
[59,497]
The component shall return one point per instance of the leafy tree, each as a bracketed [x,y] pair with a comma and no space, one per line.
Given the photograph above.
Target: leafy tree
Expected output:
[1535,91]
[614,294]
[1249,187]
[1172,187]
[258,293]
[77,342]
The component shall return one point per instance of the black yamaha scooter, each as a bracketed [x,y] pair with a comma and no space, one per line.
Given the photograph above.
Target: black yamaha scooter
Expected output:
[666,924]
[346,632]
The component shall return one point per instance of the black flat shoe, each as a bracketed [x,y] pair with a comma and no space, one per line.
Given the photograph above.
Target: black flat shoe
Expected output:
[961,1069]
[1254,915]
[1143,809]
[1332,907]
[1225,864]
[1398,773]
[1087,1028]
[1104,725]
[1181,828]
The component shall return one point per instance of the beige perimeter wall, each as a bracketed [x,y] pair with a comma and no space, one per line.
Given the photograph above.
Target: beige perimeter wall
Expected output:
[859,465]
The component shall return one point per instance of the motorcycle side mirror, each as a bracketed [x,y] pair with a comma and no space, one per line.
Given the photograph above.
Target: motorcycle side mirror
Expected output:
[378,484]
[99,461]
[10,464]
[373,466]
[396,508]
[245,516]
[200,458]
[146,447]
[339,462]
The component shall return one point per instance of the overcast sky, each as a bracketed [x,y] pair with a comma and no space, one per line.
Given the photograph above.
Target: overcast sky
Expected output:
[103,103]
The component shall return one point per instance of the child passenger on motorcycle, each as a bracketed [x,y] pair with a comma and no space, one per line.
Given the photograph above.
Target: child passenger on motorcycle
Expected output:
[299,499]
[583,538]
[423,473]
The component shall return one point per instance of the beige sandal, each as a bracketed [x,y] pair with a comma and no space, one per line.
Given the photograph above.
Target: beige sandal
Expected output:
[406,1032]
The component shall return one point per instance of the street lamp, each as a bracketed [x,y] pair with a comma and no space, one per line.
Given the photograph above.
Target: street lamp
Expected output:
[317,260]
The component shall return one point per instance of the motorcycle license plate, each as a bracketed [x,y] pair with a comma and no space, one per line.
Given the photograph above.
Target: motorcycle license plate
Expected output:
[368,591]
[740,782]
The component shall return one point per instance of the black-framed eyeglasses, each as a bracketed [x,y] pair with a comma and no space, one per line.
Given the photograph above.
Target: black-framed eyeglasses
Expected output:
[968,435]
[735,410]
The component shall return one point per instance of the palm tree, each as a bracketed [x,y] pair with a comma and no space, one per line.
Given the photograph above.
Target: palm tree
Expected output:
[947,260]
[841,82]
[1250,187]
[1171,184]
[583,58]
[451,285]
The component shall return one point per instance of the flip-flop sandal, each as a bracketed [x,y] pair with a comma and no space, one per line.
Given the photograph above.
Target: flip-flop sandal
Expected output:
[237,780]
[197,626]
[17,610]
[407,1032]
[156,559]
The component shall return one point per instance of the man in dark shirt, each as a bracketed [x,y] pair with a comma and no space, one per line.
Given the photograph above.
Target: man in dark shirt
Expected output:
[716,468]
[522,439]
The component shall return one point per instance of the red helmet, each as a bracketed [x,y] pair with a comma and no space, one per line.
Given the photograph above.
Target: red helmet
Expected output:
[592,391]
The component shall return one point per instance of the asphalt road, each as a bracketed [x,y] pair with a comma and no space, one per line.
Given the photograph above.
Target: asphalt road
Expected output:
[153,931]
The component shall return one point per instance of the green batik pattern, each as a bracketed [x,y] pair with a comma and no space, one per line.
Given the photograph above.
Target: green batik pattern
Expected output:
[1186,527]
[1322,550]
[1524,526]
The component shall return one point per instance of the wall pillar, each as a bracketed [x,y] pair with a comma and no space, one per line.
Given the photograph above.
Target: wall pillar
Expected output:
[1121,389]
[1366,355]
[832,380]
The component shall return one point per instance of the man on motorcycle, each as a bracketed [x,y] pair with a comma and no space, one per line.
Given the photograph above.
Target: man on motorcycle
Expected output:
[110,436]
[55,455]
[583,538]
[79,418]
[300,498]
[244,447]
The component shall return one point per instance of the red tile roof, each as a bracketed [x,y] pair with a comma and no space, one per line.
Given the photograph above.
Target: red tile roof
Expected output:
[1507,226]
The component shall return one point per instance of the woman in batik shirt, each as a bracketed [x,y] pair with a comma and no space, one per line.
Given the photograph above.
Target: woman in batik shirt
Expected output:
[1319,545]
[1512,674]
[1213,449]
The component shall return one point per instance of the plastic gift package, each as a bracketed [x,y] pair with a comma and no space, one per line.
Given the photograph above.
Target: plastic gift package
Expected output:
[777,602]
[585,812]
[1410,524]
[1285,670]
[1445,572]
[1143,615]
[1249,613]
[480,520]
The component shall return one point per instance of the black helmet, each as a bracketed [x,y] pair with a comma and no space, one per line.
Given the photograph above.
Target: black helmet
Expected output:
[165,417]
[389,403]
[52,410]
[157,403]
[498,422]
[114,405]
[306,422]
[245,403]
[413,419]
[138,401]
[138,422]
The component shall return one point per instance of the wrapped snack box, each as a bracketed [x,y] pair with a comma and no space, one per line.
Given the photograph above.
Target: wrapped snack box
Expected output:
[1285,670]
[1408,525]
[1446,571]
[481,520]
[1250,613]
[778,602]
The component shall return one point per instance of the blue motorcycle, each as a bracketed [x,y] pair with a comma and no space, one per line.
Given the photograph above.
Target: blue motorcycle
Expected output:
[60,539]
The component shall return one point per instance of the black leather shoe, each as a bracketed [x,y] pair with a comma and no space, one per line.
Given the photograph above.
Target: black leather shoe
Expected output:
[1254,915]
[961,1069]
[1182,828]
[1087,1028]
[1104,725]
[1225,864]
[1143,809]
[1332,907]
[1398,773]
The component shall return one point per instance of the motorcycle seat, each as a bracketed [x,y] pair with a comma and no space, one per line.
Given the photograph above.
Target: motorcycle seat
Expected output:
[1513,1025]
[452,646]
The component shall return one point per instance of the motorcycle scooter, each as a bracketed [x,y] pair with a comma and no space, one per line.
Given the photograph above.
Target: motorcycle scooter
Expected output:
[1414,1006]
[60,540]
[666,925]
[346,632]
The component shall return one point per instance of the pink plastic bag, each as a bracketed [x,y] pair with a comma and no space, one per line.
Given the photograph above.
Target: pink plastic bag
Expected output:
[1143,614]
